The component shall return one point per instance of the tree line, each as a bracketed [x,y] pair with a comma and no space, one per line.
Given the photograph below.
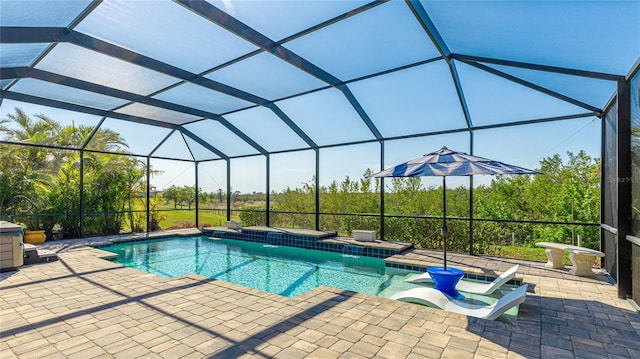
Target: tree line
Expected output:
[566,192]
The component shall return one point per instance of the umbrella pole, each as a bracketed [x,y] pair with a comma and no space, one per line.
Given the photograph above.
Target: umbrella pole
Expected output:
[444,219]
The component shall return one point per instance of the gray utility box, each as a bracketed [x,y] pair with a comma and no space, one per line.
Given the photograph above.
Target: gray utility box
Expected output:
[11,255]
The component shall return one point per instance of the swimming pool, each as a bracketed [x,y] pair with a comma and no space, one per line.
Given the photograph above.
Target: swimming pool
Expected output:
[282,270]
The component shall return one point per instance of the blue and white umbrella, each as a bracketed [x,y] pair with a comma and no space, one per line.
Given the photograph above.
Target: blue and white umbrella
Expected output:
[445,162]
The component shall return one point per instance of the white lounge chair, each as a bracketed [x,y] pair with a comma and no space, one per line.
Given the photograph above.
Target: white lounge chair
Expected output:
[435,298]
[471,286]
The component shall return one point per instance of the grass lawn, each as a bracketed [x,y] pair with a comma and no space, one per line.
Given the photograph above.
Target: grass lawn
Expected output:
[187,218]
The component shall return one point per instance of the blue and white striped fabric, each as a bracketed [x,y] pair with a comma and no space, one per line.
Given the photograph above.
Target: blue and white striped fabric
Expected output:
[445,162]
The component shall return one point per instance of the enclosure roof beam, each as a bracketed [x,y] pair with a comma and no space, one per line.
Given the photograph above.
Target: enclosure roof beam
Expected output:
[104,113]
[442,132]
[93,133]
[68,148]
[13,34]
[25,72]
[538,67]
[235,26]
[161,142]
[16,34]
[304,32]
[430,28]
[532,86]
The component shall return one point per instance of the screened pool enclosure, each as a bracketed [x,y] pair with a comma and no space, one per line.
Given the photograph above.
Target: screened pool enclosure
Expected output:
[273,111]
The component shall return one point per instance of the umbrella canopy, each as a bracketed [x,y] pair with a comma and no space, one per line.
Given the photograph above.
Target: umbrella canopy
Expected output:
[446,162]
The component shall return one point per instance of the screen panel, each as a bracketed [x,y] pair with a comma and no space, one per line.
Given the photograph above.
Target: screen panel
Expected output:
[29,123]
[556,33]
[635,158]
[212,180]
[345,193]
[166,23]
[248,190]
[492,99]
[110,183]
[67,94]
[420,99]
[174,147]
[77,62]
[610,163]
[174,182]
[199,152]
[41,13]
[138,138]
[157,113]
[220,137]
[326,117]
[591,91]
[292,180]
[266,128]
[281,80]
[567,153]
[191,95]
[5,83]
[278,19]
[68,122]
[20,55]
[378,39]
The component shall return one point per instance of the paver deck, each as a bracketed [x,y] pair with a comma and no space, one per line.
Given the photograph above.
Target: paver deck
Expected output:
[85,307]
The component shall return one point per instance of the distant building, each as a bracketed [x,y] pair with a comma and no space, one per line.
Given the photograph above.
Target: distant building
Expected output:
[152,193]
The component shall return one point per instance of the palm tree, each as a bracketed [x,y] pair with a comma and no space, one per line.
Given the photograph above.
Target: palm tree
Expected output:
[43,130]
[25,169]
[76,136]
[51,175]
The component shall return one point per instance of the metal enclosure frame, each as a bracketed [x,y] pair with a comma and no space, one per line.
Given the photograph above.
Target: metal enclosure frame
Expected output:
[56,35]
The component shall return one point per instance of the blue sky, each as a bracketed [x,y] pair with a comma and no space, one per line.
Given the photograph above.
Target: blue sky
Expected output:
[415,100]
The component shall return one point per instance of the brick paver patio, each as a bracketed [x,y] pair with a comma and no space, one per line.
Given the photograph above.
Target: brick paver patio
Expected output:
[85,307]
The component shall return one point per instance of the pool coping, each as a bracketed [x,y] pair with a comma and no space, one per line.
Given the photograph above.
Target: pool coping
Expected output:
[324,241]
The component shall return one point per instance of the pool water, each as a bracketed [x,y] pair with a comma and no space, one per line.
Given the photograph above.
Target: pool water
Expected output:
[282,270]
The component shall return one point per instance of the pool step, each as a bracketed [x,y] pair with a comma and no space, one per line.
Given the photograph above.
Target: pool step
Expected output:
[33,255]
